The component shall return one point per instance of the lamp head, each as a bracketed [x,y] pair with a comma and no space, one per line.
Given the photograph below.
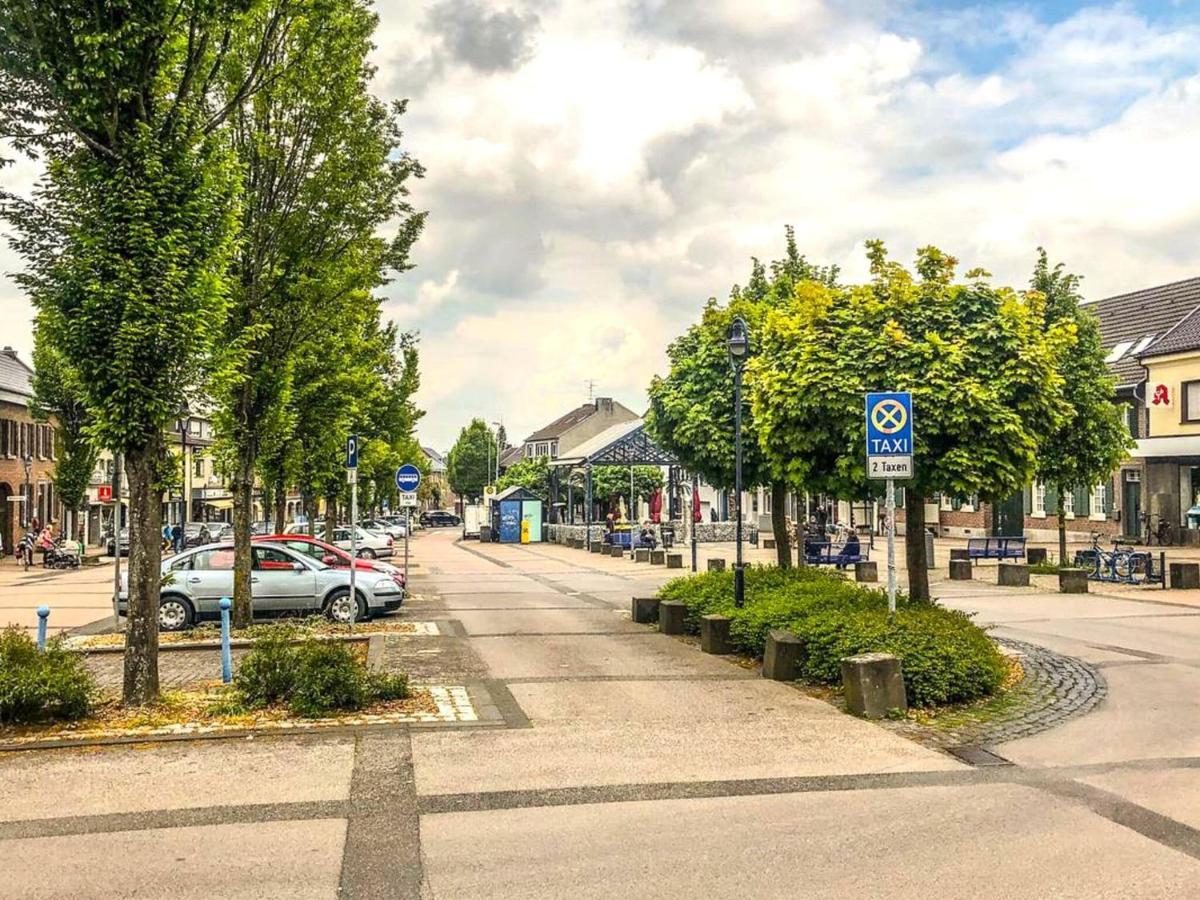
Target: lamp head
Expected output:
[738,341]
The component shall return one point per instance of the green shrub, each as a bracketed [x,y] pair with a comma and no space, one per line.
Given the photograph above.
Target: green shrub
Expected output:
[267,673]
[37,686]
[388,685]
[328,678]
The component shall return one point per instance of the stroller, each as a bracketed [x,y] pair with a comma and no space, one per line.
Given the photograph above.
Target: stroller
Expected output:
[63,555]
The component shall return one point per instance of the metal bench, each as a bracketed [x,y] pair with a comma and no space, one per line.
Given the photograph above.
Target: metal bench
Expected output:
[826,553]
[995,548]
[621,539]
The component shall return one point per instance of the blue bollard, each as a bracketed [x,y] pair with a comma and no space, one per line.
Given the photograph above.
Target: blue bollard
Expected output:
[226,652]
[43,614]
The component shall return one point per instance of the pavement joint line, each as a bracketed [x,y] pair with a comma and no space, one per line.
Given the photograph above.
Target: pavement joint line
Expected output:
[574,679]
[382,853]
[539,634]
[461,546]
[1128,651]
[510,710]
[575,566]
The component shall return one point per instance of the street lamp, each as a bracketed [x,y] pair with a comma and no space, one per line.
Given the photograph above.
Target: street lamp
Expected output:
[185,416]
[738,344]
[27,462]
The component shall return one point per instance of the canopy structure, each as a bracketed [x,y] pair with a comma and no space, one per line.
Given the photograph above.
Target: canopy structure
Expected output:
[626,444]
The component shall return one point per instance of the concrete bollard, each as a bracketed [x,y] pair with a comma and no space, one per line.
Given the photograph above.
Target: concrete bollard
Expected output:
[716,565]
[782,657]
[43,614]
[960,553]
[1185,575]
[874,685]
[642,554]
[1036,556]
[714,634]
[658,557]
[1072,581]
[671,616]
[616,550]
[960,570]
[866,572]
[768,543]
[598,546]
[226,650]
[1013,575]
[674,560]
[645,610]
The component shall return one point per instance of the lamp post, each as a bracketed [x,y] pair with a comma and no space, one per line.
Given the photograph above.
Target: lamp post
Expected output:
[27,462]
[185,416]
[738,344]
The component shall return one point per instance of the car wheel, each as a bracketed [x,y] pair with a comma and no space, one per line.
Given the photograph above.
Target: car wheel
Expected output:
[174,613]
[366,553]
[338,607]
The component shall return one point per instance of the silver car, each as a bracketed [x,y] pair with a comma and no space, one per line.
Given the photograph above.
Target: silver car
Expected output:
[281,581]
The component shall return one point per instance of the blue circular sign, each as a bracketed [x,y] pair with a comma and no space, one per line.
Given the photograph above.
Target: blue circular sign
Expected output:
[408,477]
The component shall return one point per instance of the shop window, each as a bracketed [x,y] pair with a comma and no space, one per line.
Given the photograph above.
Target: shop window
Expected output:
[1191,401]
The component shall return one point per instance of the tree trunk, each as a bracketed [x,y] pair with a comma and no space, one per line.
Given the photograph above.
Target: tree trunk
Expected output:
[914,545]
[306,497]
[783,540]
[1062,526]
[280,504]
[144,573]
[330,517]
[243,488]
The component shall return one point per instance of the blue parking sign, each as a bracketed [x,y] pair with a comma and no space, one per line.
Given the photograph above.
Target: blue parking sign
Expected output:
[352,452]
[889,434]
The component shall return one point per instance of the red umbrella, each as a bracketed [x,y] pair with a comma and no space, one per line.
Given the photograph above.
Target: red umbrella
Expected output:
[695,506]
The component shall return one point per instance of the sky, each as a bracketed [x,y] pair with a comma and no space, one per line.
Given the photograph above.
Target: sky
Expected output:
[597,169]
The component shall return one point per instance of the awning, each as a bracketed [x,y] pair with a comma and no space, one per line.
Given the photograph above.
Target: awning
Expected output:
[1184,445]
[220,504]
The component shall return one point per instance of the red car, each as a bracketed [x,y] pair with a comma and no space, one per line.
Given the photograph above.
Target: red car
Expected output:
[331,555]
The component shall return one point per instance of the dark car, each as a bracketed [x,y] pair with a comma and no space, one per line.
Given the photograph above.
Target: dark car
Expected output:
[124,543]
[438,518]
[195,534]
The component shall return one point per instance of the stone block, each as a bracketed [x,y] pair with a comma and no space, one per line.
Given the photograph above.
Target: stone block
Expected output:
[1073,581]
[674,560]
[658,557]
[866,572]
[616,550]
[485,534]
[1185,575]
[670,616]
[642,554]
[1036,556]
[960,570]
[959,553]
[768,543]
[598,546]
[714,634]
[716,565]
[782,656]
[874,685]
[1013,575]
[645,609]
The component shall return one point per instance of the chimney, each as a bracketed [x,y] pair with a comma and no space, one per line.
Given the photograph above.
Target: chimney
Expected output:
[604,404]
[9,351]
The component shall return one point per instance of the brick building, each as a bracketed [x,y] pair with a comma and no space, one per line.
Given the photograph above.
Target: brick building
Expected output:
[26,455]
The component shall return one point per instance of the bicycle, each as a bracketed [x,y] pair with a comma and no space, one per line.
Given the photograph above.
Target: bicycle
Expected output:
[1161,533]
[1118,565]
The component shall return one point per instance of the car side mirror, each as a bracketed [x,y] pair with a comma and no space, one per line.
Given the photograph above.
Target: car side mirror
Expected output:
[329,560]
[297,567]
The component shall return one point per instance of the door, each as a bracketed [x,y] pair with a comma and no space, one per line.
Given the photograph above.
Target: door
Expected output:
[1008,516]
[531,512]
[1131,506]
[510,521]
[209,579]
[279,582]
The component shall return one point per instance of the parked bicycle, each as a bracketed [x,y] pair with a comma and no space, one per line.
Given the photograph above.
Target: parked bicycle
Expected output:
[1121,564]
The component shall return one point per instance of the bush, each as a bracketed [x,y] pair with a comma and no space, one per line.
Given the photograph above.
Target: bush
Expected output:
[314,678]
[37,686]
[946,657]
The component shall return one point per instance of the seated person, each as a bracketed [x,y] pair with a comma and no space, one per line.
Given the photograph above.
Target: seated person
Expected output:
[646,537]
[850,551]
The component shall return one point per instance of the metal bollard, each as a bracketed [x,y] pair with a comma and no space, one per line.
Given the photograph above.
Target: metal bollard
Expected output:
[226,652]
[43,614]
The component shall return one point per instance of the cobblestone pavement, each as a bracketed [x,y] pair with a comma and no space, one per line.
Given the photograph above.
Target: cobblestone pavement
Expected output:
[176,668]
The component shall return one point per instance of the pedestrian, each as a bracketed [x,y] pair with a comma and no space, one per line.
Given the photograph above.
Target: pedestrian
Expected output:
[177,537]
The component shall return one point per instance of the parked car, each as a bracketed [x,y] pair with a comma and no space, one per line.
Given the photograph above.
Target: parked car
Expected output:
[124,543]
[395,530]
[195,534]
[282,581]
[220,531]
[368,545]
[439,518]
[332,556]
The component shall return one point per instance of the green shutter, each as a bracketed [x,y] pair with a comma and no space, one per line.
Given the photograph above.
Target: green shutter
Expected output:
[1051,501]
[1083,501]
[1109,495]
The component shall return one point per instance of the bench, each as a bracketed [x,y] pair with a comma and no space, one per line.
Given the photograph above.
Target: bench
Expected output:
[621,539]
[825,553]
[996,548]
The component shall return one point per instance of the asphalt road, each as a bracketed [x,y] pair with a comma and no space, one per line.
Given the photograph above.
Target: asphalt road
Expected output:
[616,761]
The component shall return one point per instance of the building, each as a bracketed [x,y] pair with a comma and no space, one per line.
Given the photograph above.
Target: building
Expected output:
[568,431]
[438,493]
[27,455]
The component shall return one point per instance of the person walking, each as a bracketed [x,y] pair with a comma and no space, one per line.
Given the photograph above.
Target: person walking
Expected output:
[177,537]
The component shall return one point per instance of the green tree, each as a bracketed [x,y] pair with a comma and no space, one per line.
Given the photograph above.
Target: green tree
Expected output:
[610,484]
[58,398]
[980,361]
[1091,440]
[468,467]
[128,238]
[323,171]
[532,474]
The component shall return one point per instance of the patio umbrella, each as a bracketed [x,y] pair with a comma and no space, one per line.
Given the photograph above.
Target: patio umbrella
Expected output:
[695,506]
[656,505]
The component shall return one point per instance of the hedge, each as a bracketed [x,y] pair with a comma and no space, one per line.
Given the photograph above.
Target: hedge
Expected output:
[37,685]
[946,657]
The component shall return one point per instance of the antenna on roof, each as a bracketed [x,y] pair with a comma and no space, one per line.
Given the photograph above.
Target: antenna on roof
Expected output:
[591,390]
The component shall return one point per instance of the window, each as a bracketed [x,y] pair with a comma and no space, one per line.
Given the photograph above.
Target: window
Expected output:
[1131,419]
[1099,500]
[1118,351]
[766,501]
[1191,401]
[1039,500]
[754,502]
[215,560]
[1069,504]
[198,468]
[270,559]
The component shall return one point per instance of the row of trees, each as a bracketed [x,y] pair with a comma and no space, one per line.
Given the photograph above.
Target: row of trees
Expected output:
[222,198]
[1007,385]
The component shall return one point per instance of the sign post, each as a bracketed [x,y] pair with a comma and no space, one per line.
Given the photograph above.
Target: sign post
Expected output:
[352,478]
[408,479]
[890,456]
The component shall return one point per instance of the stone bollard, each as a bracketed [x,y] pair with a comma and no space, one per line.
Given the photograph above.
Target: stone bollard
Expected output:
[866,572]
[768,543]
[616,550]
[1185,575]
[1013,575]
[960,570]
[645,610]
[716,565]
[670,616]
[598,546]
[674,560]
[43,614]
[874,685]
[658,557]
[642,554]
[1036,556]
[714,634]
[781,659]
[1072,581]
[960,553]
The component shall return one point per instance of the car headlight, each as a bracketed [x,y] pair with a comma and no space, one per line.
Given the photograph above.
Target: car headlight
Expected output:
[385,586]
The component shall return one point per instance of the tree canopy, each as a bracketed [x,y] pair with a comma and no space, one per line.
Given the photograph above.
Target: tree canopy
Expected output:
[472,459]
